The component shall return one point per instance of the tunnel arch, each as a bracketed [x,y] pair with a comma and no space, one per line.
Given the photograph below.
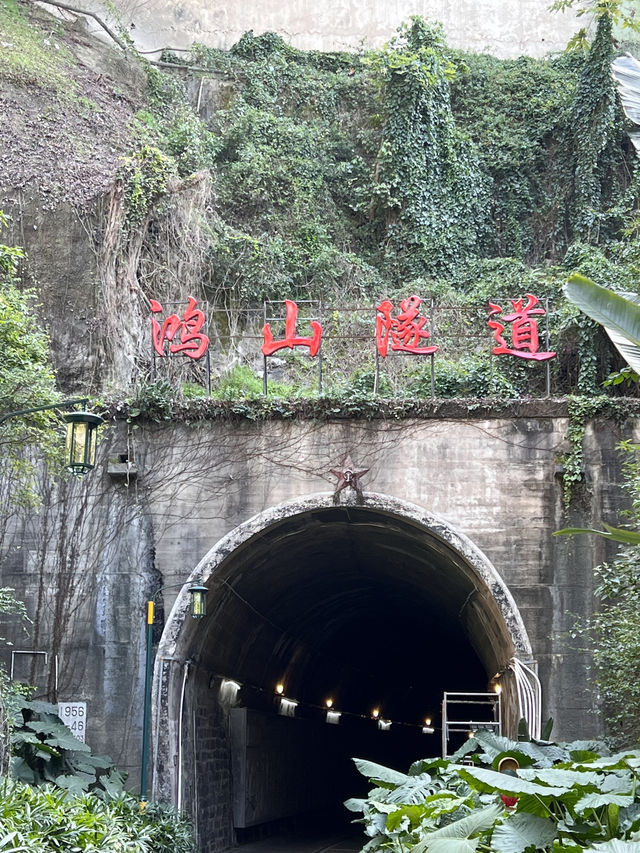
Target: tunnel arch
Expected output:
[325,597]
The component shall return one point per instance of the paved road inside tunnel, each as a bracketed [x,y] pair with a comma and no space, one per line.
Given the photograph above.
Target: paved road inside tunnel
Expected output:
[317,843]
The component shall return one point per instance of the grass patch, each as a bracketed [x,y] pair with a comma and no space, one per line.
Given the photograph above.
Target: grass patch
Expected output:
[32,54]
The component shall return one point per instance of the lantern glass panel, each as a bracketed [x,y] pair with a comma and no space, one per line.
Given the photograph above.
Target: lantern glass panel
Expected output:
[76,442]
[198,601]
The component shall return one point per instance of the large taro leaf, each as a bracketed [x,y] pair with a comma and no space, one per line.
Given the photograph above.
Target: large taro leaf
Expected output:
[522,830]
[496,747]
[405,818]
[59,737]
[112,783]
[596,799]
[20,770]
[456,837]
[377,772]
[490,781]
[426,765]
[454,845]
[619,316]
[413,790]
[563,778]
[616,845]
[617,761]
[629,818]
[97,762]
[75,784]
[38,706]
[493,744]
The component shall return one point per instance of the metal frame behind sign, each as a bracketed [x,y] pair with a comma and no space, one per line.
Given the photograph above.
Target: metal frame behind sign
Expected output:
[490,701]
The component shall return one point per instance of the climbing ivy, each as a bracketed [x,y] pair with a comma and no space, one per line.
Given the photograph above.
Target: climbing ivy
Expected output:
[414,168]
[612,634]
[144,176]
[427,190]
[597,137]
[581,411]
[337,173]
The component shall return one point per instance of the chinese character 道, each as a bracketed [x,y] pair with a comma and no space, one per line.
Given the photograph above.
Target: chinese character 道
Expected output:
[193,342]
[524,331]
[406,331]
[290,340]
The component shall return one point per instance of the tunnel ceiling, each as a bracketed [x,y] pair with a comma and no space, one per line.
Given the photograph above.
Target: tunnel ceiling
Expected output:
[346,600]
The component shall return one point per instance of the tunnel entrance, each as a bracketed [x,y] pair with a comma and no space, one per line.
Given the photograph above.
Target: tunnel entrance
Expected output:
[373,608]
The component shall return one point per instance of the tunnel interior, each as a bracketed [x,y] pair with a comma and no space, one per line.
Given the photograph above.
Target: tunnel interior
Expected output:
[369,610]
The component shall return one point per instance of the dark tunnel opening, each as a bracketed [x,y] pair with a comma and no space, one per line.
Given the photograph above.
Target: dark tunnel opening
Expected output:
[364,609]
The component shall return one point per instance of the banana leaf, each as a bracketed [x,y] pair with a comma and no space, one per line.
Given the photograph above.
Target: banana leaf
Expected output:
[619,316]
[616,534]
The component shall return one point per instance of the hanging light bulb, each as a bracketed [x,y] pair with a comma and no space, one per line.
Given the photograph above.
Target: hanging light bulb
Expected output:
[329,703]
[280,688]
[375,713]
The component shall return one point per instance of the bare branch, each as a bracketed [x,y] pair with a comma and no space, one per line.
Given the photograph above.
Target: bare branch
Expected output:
[93,15]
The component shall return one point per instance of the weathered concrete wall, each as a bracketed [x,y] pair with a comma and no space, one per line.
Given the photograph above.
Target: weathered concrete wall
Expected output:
[87,561]
[506,28]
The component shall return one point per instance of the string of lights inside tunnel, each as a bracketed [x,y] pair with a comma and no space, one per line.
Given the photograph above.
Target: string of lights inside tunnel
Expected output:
[289,706]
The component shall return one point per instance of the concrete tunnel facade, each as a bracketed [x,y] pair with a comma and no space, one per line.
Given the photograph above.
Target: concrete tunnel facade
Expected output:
[376,604]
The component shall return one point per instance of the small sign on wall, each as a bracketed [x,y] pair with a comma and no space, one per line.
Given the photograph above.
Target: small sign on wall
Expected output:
[74,715]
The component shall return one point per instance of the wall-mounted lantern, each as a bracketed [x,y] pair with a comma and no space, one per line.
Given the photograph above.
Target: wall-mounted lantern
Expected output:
[82,441]
[198,600]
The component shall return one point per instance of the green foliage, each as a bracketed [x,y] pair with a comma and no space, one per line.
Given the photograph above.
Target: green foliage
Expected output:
[26,379]
[144,176]
[471,376]
[613,632]
[551,137]
[32,55]
[45,751]
[152,400]
[49,820]
[345,177]
[617,11]
[598,136]
[169,124]
[238,383]
[619,316]
[581,411]
[9,691]
[565,796]
[427,190]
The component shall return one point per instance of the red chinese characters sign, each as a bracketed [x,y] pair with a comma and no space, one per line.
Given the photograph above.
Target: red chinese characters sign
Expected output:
[192,342]
[406,330]
[402,329]
[524,330]
[290,339]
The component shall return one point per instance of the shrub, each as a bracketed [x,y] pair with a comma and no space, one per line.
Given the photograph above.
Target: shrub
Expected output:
[50,820]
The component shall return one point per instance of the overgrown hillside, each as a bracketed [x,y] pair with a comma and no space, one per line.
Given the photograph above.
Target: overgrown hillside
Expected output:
[268,173]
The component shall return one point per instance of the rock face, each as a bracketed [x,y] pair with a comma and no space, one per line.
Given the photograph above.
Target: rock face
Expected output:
[311,595]
[506,28]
